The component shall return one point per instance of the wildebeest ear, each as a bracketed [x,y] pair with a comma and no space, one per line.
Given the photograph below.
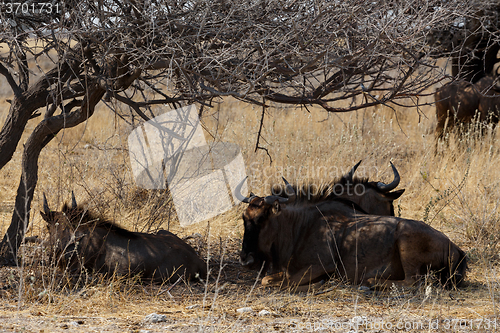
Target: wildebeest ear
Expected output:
[47,214]
[48,217]
[276,208]
[394,195]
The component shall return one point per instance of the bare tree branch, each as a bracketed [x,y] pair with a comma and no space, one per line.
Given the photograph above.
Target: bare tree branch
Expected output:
[15,88]
[259,135]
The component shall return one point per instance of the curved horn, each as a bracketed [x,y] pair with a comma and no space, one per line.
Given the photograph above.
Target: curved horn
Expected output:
[73,201]
[388,187]
[46,208]
[290,192]
[270,199]
[239,196]
[353,170]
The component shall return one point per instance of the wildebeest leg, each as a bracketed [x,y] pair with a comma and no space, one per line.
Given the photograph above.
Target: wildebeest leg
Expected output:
[442,123]
[409,259]
[299,282]
[308,287]
[273,279]
[305,278]
[278,279]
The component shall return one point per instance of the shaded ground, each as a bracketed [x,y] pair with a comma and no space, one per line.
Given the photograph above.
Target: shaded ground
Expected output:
[50,303]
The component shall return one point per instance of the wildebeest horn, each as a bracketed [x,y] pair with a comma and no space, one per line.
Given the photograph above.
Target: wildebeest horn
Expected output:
[73,200]
[388,187]
[46,208]
[353,170]
[239,196]
[289,190]
[270,199]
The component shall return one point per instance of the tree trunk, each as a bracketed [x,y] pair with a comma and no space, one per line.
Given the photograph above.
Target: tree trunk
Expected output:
[22,109]
[40,137]
[20,218]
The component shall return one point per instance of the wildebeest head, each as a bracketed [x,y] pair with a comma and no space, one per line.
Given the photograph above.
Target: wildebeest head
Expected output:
[373,198]
[62,228]
[489,101]
[260,210]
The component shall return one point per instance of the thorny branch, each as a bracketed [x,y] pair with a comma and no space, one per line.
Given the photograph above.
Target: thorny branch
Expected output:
[292,52]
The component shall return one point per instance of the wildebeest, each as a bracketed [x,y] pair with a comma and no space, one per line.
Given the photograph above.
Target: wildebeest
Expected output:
[81,239]
[462,102]
[458,102]
[310,240]
[371,197]
[358,193]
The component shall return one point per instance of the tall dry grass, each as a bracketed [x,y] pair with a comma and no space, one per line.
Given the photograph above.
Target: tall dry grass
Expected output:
[454,190]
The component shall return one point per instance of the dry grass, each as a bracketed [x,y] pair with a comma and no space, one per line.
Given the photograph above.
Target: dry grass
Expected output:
[455,191]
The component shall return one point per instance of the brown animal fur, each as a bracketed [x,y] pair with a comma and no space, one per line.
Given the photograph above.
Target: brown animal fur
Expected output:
[459,102]
[489,105]
[309,243]
[81,239]
[360,195]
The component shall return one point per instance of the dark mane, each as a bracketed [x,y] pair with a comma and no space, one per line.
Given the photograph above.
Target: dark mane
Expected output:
[351,204]
[81,216]
[326,191]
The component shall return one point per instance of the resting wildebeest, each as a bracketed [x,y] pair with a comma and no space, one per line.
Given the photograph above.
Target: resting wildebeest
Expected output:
[462,102]
[376,198]
[310,239]
[81,239]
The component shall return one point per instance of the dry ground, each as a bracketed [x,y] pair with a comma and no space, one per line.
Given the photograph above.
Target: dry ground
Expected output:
[455,191]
